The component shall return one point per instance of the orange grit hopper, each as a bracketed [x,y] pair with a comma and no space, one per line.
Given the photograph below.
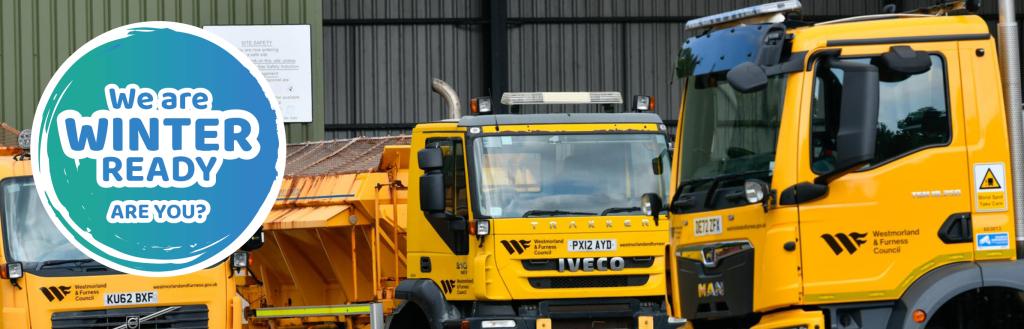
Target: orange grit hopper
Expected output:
[333,249]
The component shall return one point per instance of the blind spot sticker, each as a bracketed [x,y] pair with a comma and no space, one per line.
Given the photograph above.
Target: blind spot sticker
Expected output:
[989,190]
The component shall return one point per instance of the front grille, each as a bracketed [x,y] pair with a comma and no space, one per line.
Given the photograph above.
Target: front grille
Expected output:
[551,264]
[186,317]
[606,281]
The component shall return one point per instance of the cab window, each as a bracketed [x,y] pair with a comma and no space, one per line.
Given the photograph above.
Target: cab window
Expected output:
[454,175]
[455,197]
[913,113]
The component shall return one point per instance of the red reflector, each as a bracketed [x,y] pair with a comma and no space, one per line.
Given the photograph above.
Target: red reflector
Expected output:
[920,316]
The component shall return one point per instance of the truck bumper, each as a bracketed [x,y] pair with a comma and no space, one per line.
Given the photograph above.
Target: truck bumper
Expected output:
[640,322]
[553,314]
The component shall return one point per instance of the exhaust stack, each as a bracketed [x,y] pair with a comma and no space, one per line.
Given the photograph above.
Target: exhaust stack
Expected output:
[451,98]
[1009,58]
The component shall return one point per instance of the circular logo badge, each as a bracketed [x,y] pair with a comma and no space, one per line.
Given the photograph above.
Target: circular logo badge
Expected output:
[158,149]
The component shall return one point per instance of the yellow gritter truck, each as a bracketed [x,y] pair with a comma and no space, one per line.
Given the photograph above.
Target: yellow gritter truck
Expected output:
[857,173]
[483,221]
[48,283]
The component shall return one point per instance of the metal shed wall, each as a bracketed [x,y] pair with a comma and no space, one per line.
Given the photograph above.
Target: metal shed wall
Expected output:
[380,55]
[36,36]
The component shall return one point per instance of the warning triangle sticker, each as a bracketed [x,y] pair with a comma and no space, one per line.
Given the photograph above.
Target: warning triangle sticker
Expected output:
[989,182]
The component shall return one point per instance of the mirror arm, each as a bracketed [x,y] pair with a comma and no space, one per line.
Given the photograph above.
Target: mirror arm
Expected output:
[795,63]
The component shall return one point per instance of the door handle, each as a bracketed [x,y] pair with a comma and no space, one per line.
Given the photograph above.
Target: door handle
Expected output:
[957,229]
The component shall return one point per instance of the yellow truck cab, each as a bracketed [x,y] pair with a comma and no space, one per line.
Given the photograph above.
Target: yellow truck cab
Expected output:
[844,174]
[48,283]
[535,220]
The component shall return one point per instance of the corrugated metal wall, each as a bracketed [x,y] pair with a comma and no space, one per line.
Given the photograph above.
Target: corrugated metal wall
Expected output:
[374,59]
[36,36]
[379,67]
[380,55]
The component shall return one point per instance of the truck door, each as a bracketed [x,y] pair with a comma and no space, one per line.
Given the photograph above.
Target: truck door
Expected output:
[878,229]
[448,264]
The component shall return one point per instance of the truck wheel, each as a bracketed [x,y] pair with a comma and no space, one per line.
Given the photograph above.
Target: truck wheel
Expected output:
[410,316]
[992,307]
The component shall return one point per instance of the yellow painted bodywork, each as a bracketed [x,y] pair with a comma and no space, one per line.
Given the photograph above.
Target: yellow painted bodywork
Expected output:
[27,307]
[875,201]
[341,239]
[489,273]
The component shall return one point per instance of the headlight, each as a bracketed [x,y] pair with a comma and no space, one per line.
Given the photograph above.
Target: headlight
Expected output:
[483,227]
[240,259]
[14,271]
[755,190]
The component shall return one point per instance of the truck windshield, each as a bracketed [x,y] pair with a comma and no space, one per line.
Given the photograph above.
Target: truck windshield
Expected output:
[29,234]
[568,175]
[726,133]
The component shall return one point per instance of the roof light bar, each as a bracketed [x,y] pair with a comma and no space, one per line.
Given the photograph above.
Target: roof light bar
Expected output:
[547,98]
[745,13]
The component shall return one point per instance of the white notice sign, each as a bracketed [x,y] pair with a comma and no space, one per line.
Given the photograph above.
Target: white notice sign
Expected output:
[282,52]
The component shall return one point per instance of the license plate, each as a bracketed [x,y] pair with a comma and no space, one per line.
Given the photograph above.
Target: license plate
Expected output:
[707,226]
[130,298]
[592,245]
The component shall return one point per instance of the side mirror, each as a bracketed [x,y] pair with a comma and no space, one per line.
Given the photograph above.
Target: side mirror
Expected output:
[903,59]
[747,77]
[431,160]
[651,205]
[858,118]
[432,194]
[656,166]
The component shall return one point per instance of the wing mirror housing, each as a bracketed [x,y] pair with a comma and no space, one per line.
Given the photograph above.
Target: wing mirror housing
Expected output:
[652,205]
[656,166]
[858,118]
[747,77]
[431,160]
[904,59]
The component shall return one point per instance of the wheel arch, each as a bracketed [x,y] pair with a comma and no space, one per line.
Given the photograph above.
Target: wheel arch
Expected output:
[933,290]
[427,296]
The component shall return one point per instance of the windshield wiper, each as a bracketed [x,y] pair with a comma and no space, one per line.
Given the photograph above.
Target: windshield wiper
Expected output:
[613,210]
[538,212]
[693,182]
[76,262]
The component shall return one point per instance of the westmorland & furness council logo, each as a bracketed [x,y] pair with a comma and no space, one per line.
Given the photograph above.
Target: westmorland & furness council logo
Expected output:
[158,149]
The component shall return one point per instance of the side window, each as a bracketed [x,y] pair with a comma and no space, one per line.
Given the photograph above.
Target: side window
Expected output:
[454,175]
[913,113]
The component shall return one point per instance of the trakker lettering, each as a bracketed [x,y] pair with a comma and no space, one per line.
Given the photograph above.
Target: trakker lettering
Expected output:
[591,264]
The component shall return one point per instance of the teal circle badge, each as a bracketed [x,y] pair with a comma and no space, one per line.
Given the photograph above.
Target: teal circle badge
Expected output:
[158,149]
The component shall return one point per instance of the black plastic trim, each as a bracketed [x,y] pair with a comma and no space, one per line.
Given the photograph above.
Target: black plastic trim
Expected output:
[912,39]
[957,229]
[428,296]
[551,264]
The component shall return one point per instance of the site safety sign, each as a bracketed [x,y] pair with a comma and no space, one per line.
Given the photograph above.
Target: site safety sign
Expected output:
[158,149]
[989,187]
